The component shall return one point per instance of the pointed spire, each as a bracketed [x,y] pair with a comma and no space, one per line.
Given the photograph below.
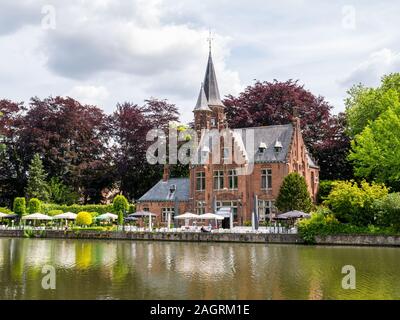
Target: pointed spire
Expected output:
[211,85]
[202,103]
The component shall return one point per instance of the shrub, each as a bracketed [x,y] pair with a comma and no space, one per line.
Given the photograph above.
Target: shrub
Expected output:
[247,223]
[388,211]
[120,205]
[324,188]
[19,206]
[34,205]
[132,208]
[76,208]
[84,219]
[319,222]
[5,210]
[354,204]
[53,213]
[293,194]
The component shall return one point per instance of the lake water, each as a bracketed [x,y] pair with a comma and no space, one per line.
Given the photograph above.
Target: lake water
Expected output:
[90,269]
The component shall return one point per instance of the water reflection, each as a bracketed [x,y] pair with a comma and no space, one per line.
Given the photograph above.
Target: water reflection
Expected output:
[166,270]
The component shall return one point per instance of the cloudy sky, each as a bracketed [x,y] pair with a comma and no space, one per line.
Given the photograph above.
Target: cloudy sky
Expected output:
[108,51]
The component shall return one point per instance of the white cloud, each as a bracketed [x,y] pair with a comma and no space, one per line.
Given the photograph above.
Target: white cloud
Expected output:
[370,71]
[93,95]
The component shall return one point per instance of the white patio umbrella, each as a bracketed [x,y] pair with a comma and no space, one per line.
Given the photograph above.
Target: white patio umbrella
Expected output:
[3,215]
[36,216]
[66,216]
[211,216]
[107,216]
[187,215]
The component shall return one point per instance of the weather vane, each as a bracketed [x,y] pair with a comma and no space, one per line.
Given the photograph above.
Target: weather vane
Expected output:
[209,39]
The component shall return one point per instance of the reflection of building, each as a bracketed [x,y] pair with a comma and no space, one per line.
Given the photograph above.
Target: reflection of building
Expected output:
[275,151]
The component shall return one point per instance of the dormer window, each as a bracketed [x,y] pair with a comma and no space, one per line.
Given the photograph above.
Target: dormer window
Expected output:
[278,146]
[172,188]
[262,147]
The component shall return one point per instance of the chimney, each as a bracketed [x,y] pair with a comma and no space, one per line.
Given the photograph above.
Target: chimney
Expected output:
[166,172]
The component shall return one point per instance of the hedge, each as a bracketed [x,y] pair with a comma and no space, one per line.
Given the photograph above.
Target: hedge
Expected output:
[76,208]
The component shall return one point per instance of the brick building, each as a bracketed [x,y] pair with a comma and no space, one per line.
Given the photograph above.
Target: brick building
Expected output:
[249,169]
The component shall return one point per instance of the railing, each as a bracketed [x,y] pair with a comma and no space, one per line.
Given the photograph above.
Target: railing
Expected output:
[272,229]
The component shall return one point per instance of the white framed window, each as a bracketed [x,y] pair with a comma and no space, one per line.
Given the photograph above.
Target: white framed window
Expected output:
[200,181]
[266,179]
[165,212]
[218,179]
[264,208]
[226,153]
[213,122]
[233,179]
[200,207]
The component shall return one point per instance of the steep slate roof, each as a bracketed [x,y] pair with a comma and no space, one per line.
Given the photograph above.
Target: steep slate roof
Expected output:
[202,103]
[161,191]
[269,135]
[211,85]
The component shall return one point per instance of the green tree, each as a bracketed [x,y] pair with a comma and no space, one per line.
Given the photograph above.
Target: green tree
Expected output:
[19,206]
[37,186]
[353,203]
[293,194]
[84,219]
[60,193]
[120,205]
[364,104]
[376,151]
[34,205]
[388,211]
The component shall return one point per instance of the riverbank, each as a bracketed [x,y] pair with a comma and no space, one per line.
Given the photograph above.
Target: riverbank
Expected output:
[345,240]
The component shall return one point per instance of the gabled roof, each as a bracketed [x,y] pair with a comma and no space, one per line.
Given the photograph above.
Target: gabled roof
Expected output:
[250,140]
[202,103]
[161,191]
[211,85]
[269,136]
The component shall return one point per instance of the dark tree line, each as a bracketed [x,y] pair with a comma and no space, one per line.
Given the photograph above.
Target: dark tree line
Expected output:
[80,145]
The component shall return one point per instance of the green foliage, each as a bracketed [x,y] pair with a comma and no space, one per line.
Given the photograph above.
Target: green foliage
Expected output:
[247,223]
[34,205]
[5,210]
[84,219]
[37,186]
[388,211]
[321,224]
[19,206]
[324,188]
[366,104]
[60,193]
[376,151]
[293,194]
[132,208]
[53,213]
[76,208]
[120,204]
[354,204]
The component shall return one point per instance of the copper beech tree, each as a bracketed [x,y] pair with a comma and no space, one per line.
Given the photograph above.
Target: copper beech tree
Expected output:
[274,103]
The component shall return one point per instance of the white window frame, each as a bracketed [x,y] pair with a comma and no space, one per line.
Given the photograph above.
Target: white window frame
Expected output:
[266,175]
[164,213]
[218,179]
[233,177]
[200,175]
